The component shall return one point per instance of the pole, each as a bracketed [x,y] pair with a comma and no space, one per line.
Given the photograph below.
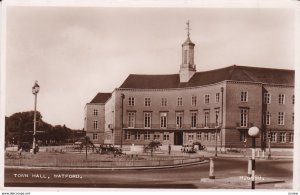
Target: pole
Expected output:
[216,146]
[249,166]
[222,91]
[269,145]
[34,124]
[122,126]
[211,168]
[253,164]
[86,147]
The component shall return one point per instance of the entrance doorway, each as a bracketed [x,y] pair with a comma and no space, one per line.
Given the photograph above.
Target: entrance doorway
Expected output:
[178,138]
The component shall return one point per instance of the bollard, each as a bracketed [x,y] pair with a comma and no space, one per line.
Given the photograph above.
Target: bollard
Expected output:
[211,168]
[249,167]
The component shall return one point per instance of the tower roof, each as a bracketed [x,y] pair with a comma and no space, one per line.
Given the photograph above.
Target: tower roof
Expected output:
[234,72]
[188,42]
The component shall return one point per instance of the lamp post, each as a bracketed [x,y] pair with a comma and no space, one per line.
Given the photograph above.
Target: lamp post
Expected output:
[35,90]
[253,132]
[221,125]
[122,125]
[269,144]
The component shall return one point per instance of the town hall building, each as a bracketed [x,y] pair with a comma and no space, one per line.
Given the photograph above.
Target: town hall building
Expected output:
[215,107]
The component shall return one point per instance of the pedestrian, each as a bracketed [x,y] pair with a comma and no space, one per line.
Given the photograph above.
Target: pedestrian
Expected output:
[20,152]
[169,149]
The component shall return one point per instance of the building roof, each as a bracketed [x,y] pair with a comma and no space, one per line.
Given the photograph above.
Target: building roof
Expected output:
[101,98]
[234,72]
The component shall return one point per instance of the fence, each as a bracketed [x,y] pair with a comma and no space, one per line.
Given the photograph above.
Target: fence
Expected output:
[56,162]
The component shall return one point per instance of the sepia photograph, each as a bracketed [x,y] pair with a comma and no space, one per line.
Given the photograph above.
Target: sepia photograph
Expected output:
[148,97]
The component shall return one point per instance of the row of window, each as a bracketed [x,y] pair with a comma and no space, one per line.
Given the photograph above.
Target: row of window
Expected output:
[281,98]
[178,119]
[147,135]
[273,137]
[243,98]
[164,101]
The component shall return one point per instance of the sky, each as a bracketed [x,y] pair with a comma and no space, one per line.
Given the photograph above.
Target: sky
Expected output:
[76,52]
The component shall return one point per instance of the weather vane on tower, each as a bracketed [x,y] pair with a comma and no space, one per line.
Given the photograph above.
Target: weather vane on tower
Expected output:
[188,28]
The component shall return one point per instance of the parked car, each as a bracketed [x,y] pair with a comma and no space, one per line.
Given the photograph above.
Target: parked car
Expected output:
[188,148]
[109,149]
[199,146]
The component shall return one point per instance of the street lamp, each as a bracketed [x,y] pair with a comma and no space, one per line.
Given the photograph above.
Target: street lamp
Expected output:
[253,132]
[123,97]
[35,90]
[269,144]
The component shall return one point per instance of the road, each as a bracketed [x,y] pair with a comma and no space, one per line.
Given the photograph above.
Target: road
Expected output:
[185,177]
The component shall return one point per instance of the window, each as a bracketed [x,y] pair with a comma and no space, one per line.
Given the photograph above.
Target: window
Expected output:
[137,135]
[264,136]
[273,137]
[217,117]
[293,118]
[243,135]
[198,135]
[267,98]
[163,120]
[194,100]
[206,99]
[185,56]
[280,118]
[147,119]
[190,137]
[266,119]
[244,118]
[95,112]
[217,97]
[156,136]
[179,119]
[147,135]
[281,99]
[95,136]
[147,102]
[164,101]
[166,136]
[212,136]
[131,119]
[291,137]
[179,101]
[127,135]
[282,137]
[206,118]
[206,136]
[194,120]
[95,124]
[131,101]
[244,96]
[293,99]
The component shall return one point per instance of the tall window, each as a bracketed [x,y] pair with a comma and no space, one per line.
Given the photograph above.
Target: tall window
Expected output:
[217,117]
[198,135]
[280,118]
[163,120]
[206,99]
[293,99]
[131,119]
[206,136]
[147,102]
[212,136]
[179,119]
[244,118]
[127,135]
[273,137]
[95,136]
[267,98]
[194,100]
[156,136]
[293,118]
[282,137]
[217,97]
[137,135]
[131,101]
[166,136]
[179,101]
[190,136]
[95,112]
[194,120]
[147,119]
[164,101]
[147,135]
[267,118]
[95,124]
[206,118]
[244,96]
[185,56]
[291,137]
[281,99]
